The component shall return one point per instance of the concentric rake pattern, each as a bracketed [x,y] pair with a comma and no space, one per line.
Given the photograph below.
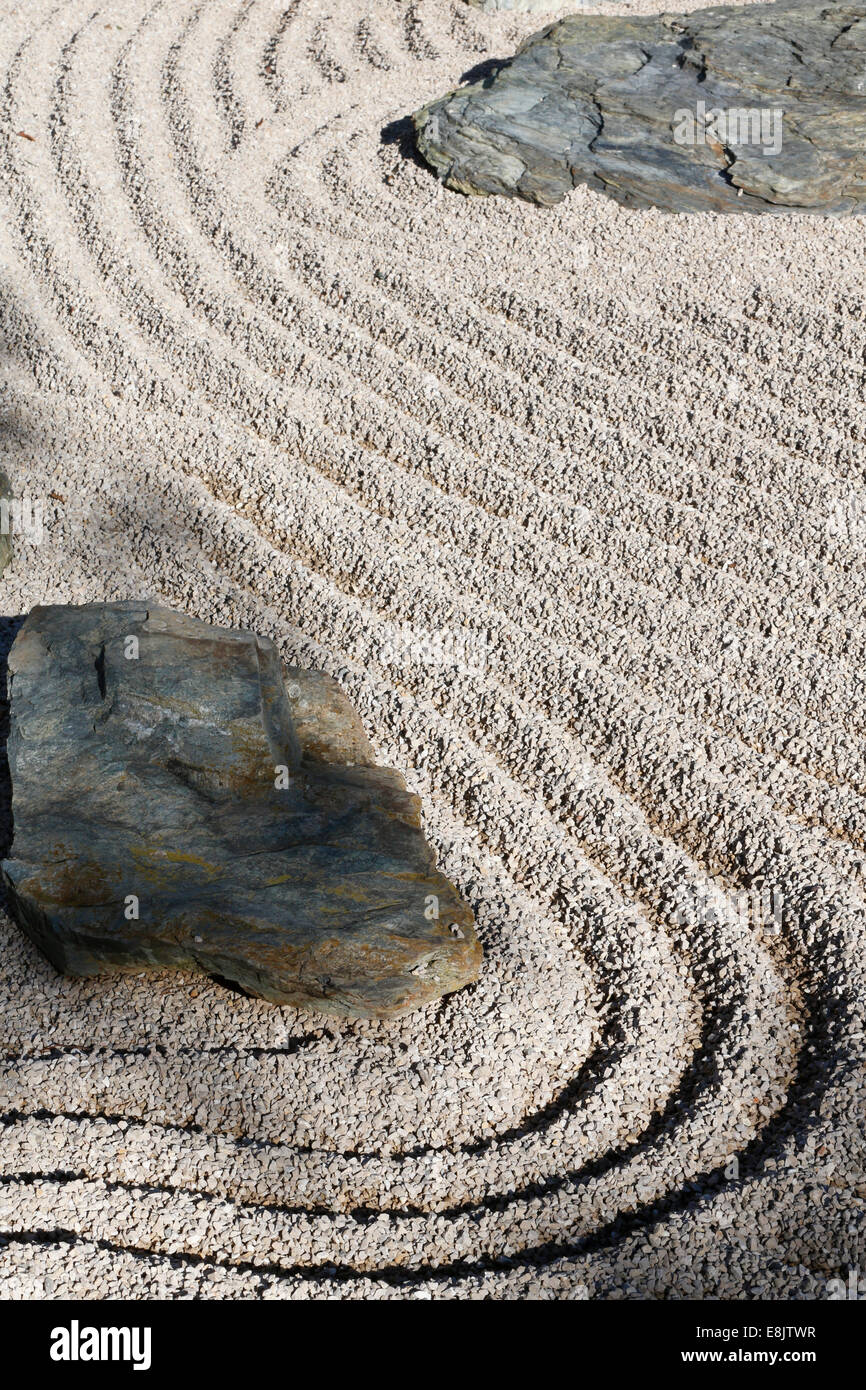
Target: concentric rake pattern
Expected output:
[572,504]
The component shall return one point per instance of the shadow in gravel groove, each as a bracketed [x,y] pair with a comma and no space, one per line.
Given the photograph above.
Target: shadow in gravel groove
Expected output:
[698,1079]
[814,1075]
[104,1053]
[796,1116]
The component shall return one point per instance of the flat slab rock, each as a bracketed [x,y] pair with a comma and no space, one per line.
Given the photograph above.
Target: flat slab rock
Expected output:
[732,109]
[5,522]
[174,770]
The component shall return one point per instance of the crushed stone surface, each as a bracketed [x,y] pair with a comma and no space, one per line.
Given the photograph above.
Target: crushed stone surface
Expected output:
[572,503]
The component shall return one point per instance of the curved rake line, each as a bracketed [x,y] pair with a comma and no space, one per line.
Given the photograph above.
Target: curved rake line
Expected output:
[269,62]
[130,41]
[799,1114]
[803,1093]
[108,1051]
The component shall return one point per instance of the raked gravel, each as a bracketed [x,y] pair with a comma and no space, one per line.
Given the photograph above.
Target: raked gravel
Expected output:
[572,502]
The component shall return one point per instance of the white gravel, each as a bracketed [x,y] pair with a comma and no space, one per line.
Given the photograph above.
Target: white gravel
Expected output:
[572,503]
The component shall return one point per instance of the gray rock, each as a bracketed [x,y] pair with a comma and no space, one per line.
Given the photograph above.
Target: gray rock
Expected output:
[5,520]
[755,109]
[175,803]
